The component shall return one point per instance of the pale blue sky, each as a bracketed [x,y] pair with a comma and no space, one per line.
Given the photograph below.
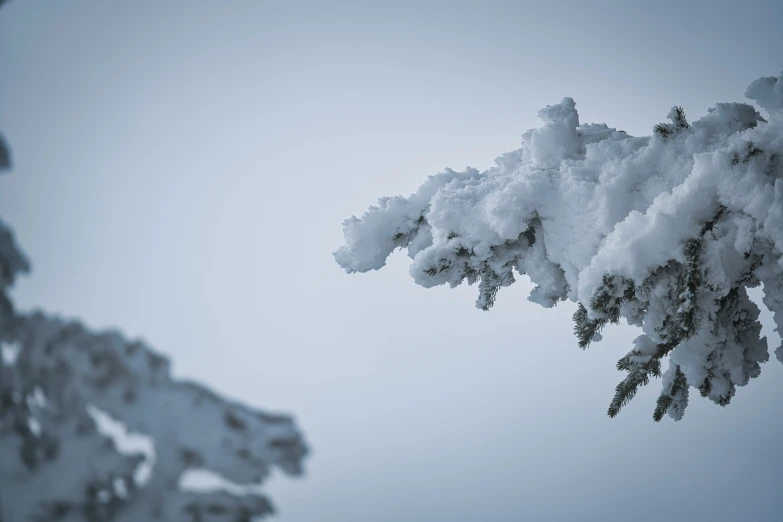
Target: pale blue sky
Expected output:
[182,170]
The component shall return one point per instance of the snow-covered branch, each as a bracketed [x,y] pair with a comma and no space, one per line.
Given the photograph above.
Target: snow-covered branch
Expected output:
[666,231]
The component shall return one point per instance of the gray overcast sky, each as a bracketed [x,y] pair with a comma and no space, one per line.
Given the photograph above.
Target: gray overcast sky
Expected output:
[182,170]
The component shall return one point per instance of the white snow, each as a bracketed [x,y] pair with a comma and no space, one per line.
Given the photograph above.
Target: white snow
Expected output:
[8,353]
[127,443]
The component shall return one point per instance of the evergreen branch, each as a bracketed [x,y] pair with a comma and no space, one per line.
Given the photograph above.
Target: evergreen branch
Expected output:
[626,390]
[585,328]
[488,290]
[724,400]
[709,225]
[665,400]
[678,117]
[663,130]
[607,303]
[639,376]
[688,310]
[752,151]
[706,387]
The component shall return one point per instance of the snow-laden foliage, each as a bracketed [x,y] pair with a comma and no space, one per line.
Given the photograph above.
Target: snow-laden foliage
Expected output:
[666,231]
[57,461]
[59,382]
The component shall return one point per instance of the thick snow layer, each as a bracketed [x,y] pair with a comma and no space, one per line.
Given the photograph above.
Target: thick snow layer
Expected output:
[602,218]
